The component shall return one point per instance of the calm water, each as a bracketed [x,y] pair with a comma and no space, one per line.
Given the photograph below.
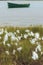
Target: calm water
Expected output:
[22,16]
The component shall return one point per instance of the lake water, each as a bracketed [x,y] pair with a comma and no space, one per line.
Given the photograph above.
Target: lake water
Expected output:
[21,16]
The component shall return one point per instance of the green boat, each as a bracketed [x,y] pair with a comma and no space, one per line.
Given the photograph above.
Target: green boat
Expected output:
[13,5]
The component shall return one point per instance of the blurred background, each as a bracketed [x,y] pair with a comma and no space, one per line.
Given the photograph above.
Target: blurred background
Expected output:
[21,0]
[21,16]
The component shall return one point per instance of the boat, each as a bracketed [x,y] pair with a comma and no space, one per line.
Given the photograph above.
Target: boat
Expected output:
[13,5]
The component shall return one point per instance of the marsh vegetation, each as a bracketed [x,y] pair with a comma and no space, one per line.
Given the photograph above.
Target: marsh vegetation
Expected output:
[21,45]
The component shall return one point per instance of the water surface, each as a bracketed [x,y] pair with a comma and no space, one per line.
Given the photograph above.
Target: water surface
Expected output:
[22,16]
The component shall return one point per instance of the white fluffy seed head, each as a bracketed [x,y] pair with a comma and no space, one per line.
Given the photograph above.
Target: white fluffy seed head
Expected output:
[16,39]
[42,38]
[6,38]
[32,41]
[10,34]
[32,34]
[37,35]
[25,36]
[41,53]
[37,43]
[27,30]
[19,49]
[0,37]
[3,42]
[7,52]
[17,31]
[6,31]
[14,51]
[39,38]
[8,44]
[16,44]
[29,34]
[1,31]
[34,55]
[19,37]
[13,37]
[38,48]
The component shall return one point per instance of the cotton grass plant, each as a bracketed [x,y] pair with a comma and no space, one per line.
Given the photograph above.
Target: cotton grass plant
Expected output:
[21,45]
